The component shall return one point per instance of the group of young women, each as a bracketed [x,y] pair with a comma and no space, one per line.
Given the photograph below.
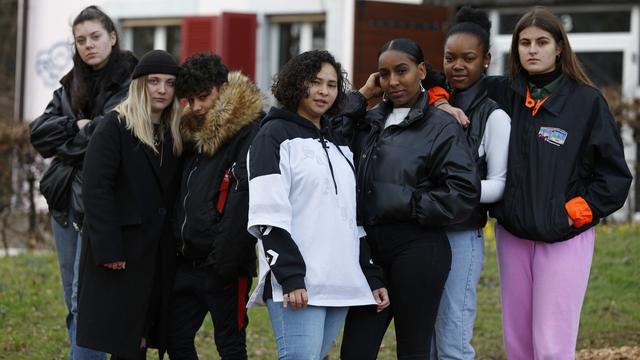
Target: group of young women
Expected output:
[362,215]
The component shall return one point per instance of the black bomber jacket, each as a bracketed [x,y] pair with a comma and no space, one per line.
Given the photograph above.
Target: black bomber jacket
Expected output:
[217,142]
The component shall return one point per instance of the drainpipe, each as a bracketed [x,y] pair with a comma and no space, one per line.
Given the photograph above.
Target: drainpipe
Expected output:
[21,55]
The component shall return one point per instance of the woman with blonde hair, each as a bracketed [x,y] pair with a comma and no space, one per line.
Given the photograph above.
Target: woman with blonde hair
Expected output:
[132,171]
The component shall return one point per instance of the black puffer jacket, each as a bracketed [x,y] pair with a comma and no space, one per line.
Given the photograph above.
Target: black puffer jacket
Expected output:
[56,134]
[220,141]
[421,170]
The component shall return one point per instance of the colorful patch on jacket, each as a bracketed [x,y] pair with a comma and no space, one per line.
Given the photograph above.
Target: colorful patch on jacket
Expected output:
[552,135]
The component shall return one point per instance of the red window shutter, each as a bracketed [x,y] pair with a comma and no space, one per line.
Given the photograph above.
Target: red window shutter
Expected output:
[198,34]
[237,36]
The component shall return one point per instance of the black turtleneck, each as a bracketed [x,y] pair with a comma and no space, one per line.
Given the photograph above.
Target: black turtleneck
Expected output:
[542,80]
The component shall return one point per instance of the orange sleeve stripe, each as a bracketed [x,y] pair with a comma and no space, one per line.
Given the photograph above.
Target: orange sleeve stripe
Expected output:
[579,211]
[436,93]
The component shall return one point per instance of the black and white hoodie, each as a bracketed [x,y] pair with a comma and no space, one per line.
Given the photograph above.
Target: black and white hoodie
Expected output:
[302,209]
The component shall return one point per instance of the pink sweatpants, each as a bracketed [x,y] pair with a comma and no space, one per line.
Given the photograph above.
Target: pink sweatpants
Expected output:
[542,287]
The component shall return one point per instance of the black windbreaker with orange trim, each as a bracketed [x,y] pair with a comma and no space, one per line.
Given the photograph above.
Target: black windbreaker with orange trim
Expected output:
[570,148]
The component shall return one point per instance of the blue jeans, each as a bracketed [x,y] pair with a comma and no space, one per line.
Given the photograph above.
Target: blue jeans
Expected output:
[305,334]
[457,311]
[68,249]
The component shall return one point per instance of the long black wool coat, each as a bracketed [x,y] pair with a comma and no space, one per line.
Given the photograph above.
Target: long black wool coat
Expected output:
[128,196]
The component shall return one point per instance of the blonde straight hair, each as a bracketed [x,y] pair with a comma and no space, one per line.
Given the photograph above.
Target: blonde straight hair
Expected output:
[135,112]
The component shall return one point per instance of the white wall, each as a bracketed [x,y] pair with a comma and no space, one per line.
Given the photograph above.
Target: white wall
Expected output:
[339,21]
[49,33]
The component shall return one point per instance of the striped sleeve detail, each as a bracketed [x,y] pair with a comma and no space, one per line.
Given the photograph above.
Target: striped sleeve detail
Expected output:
[269,184]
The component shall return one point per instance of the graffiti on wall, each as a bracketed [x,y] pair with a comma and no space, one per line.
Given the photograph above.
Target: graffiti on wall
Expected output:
[52,63]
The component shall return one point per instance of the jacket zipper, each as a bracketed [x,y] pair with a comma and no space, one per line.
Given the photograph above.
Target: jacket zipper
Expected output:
[363,166]
[233,172]
[184,204]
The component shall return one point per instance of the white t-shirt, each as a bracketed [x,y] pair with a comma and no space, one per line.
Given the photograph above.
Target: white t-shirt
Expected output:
[396,116]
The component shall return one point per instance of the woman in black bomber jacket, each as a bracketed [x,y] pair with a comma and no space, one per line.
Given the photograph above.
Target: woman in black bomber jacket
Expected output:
[97,83]
[416,175]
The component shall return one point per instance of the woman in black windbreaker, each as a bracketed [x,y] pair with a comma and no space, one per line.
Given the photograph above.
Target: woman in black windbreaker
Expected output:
[98,81]
[416,175]
[566,171]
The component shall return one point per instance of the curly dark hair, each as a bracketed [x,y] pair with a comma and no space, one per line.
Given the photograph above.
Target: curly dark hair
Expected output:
[200,73]
[292,83]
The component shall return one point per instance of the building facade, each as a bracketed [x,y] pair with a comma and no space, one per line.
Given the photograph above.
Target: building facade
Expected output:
[258,37]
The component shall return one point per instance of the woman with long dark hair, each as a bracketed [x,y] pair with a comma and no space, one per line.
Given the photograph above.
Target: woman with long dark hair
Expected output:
[98,81]
[416,175]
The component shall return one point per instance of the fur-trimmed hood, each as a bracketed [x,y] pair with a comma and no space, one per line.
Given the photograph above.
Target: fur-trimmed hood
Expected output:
[239,104]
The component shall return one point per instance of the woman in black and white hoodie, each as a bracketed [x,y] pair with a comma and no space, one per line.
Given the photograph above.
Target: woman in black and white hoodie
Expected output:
[302,208]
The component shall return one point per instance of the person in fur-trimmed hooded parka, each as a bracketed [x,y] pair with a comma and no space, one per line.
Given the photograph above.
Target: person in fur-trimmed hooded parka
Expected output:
[216,254]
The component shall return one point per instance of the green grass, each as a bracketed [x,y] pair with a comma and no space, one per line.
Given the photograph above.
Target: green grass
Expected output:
[32,311]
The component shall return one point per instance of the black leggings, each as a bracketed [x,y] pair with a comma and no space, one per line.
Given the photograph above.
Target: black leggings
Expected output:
[415,274]
[197,292]
[142,355]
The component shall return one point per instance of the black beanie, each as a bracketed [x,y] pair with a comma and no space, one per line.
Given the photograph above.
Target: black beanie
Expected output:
[156,62]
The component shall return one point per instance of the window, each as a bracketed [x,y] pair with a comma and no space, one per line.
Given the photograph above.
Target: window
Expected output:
[296,38]
[603,68]
[578,21]
[143,35]
[289,42]
[318,35]
[173,41]
[294,34]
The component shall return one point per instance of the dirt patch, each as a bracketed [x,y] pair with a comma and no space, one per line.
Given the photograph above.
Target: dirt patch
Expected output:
[622,353]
